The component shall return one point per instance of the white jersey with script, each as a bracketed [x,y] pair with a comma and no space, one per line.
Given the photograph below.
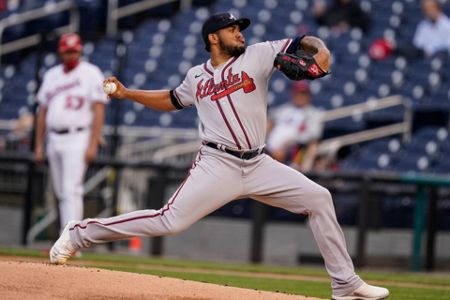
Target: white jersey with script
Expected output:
[69,96]
[293,124]
[231,99]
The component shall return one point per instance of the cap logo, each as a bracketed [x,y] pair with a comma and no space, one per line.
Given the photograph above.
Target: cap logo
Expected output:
[71,41]
[227,16]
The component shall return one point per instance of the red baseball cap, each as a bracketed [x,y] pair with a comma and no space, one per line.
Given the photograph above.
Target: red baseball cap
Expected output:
[70,42]
[301,86]
[380,49]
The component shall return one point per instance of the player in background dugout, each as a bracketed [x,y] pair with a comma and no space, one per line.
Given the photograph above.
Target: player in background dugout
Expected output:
[294,130]
[69,123]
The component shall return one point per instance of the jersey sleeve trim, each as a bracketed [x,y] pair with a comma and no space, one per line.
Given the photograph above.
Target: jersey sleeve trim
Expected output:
[286,45]
[175,101]
[295,44]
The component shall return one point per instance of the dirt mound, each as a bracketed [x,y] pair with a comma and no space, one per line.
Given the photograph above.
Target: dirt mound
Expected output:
[30,280]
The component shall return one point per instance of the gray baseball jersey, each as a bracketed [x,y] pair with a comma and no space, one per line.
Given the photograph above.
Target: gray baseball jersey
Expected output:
[231,101]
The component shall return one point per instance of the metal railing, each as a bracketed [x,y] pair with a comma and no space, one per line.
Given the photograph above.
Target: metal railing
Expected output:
[332,145]
[32,40]
[178,153]
[115,13]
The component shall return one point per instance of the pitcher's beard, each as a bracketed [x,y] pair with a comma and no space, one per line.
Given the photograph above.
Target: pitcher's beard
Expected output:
[232,50]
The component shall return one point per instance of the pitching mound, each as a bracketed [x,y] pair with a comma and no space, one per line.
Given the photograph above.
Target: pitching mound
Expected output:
[30,280]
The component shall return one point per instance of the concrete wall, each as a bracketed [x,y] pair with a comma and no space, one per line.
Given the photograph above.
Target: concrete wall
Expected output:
[10,225]
[229,240]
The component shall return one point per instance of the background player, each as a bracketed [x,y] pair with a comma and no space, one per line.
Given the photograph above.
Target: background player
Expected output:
[295,129]
[230,94]
[70,119]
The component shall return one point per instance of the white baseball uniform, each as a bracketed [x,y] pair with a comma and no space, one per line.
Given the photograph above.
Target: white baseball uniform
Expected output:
[69,98]
[231,100]
[293,125]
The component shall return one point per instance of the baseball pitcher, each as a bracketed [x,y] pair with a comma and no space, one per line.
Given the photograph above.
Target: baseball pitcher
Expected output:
[229,92]
[70,119]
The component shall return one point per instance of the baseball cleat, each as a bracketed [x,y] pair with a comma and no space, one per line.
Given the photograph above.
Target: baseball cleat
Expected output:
[63,249]
[365,292]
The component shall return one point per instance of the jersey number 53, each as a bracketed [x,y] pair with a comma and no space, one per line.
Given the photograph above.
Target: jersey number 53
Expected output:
[74,102]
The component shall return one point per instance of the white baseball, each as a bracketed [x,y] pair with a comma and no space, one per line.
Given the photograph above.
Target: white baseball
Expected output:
[109,88]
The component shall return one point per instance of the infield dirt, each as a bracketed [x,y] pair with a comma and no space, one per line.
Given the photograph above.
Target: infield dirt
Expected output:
[34,280]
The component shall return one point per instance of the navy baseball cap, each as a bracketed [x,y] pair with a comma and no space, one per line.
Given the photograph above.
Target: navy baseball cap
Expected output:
[219,21]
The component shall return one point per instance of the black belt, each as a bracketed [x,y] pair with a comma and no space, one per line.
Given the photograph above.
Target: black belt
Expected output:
[239,154]
[67,130]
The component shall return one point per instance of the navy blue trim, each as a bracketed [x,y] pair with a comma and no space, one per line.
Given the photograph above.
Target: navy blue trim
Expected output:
[295,45]
[175,101]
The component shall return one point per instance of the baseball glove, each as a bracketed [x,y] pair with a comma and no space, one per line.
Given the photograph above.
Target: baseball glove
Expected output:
[299,66]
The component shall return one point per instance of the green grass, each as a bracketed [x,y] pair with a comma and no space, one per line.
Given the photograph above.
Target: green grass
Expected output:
[403,285]
[21,252]
[317,289]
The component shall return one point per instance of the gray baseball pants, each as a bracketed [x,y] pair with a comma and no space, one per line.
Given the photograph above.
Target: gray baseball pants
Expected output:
[217,178]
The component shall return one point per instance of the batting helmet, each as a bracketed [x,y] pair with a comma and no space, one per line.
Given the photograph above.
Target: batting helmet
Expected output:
[70,42]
